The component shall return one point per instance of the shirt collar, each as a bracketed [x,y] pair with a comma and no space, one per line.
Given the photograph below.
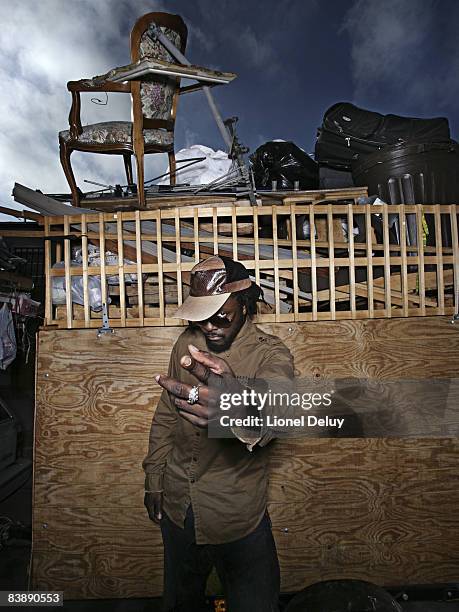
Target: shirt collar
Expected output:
[246,330]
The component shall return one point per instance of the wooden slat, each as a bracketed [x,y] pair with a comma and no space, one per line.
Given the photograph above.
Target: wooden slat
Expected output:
[178,255]
[68,281]
[256,245]
[103,276]
[215,230]
[206,238]
[387,278]
[234,232]
[331,259]
[403,271]
[154,320]
[294,258]
[321,195]
[276,265]
[119,226]
[223,239]
[138,247]
[159,243]
[244,209]
[22,233]
[438,244]
[312,236]
[361,289]
[421,285]
[48,278]
[455,243]
[369,251]
[350,238]
[196,235]
[84,254]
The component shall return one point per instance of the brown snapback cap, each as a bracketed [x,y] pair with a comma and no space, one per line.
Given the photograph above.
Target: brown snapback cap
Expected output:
[212,282]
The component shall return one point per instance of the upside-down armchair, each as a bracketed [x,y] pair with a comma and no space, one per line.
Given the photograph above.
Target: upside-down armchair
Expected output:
[154,106]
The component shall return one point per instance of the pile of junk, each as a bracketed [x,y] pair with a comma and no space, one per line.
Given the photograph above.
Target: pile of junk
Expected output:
[401,160]
[393,159]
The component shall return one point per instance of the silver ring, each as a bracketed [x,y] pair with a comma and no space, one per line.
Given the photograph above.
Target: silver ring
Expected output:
[193,395]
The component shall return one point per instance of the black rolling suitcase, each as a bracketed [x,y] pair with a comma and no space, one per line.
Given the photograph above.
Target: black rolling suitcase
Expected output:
[349,133]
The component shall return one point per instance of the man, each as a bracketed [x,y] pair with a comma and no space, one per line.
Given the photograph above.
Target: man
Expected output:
[209,495]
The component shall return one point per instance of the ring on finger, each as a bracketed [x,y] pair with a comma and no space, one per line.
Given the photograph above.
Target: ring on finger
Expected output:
[193,395]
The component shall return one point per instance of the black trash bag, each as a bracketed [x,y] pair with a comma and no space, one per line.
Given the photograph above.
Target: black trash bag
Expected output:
[343,596]
[285,163]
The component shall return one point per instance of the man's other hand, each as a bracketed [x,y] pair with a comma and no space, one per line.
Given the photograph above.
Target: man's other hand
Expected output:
[202,364]
[154,505]
[207,369]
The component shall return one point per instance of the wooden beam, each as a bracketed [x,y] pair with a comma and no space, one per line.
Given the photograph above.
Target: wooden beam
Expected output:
[21,214]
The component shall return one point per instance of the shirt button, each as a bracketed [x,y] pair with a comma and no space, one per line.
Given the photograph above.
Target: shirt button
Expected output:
[198,433]
[192,480]
[194,458]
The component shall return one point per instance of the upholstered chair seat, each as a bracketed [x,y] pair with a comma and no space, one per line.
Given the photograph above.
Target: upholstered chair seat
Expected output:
[117,133]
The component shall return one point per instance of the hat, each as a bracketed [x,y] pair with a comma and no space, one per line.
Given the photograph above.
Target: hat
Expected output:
[212,282]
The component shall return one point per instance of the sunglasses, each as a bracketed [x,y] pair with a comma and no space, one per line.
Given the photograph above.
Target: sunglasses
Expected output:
[220,319]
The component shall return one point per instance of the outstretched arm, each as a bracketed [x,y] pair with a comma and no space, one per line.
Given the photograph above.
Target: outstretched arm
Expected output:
[160,444]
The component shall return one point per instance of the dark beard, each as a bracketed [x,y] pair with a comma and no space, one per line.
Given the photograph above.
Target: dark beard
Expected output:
[219,348]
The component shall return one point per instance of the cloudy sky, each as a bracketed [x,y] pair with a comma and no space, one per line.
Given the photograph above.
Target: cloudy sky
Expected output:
[294,59]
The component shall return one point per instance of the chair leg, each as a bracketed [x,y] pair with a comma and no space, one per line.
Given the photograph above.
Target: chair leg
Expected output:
[172,168]
[128,167]
[65,152]
[139,157]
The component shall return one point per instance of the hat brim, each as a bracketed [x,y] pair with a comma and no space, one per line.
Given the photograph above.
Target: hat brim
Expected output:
[200,308]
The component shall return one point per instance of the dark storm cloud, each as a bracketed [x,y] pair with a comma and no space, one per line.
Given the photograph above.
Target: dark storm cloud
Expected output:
[404,54]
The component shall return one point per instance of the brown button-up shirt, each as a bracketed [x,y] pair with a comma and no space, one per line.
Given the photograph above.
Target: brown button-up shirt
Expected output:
[225,482]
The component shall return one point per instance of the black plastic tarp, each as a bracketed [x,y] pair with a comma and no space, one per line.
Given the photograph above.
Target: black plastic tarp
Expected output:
[284,162]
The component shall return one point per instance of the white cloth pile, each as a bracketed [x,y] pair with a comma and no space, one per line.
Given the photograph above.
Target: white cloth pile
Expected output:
[215,165]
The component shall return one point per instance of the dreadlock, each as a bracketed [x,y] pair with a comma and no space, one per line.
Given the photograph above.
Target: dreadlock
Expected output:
[249,298]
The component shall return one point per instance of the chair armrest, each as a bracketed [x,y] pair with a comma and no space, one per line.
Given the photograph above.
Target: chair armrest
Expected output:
[97,83]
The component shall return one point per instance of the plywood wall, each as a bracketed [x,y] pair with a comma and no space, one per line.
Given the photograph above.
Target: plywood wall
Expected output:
[383,510]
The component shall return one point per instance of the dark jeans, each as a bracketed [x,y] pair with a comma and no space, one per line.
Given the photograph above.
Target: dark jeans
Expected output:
[248,569]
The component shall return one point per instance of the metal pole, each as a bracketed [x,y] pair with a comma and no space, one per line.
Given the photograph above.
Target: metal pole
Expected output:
[226,135]
[169,45]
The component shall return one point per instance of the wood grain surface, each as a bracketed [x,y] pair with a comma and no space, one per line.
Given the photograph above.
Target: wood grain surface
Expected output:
[378,509]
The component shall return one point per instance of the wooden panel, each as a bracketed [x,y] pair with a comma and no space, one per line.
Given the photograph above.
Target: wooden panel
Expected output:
[339,525]
[88,458]
[74,519]
[385,564]
[382,510]
[91,586]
